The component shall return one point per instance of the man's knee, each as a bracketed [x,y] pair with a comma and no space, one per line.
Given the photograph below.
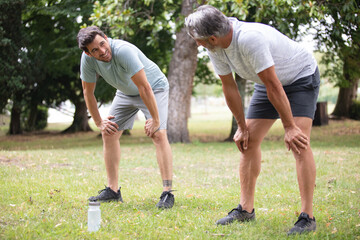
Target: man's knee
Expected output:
[111,138]
[159,137]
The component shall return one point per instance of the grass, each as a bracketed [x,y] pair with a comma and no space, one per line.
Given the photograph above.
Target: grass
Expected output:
[47,178]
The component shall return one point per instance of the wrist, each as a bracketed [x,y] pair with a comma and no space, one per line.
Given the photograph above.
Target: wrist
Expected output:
[156,121]
[98,123]
[288,126]
[242,127]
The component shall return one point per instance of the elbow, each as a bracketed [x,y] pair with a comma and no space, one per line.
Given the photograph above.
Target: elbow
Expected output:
[274,91]
[145,90]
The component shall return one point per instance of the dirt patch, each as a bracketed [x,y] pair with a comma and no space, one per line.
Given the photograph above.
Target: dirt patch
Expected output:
[11,161]
[21,163]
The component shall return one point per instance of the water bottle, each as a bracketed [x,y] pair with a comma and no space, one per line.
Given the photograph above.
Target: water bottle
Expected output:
[94,216]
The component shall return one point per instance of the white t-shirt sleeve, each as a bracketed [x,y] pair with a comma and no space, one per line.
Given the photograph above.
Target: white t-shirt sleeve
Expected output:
[220,67]
[256,50]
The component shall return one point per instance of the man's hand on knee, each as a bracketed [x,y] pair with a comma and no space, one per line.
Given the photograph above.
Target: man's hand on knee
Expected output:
[151,127]
[295,139]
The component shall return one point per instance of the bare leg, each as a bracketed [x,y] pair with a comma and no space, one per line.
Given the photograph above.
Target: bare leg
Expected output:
[112,153]
[164,158]
[305,168]
[250,161]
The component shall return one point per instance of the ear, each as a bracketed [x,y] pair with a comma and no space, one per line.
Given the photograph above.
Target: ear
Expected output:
[87,53]
[213,40]
[105,37]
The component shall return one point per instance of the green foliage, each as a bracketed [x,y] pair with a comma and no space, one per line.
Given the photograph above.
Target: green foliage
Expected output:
[338,36]
[203,73]
[11,53]
[148,24]
[52,56]
[40,118]
[285,15]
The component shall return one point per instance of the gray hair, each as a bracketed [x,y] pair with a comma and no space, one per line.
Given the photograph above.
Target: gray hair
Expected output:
[207,21]
[87,36]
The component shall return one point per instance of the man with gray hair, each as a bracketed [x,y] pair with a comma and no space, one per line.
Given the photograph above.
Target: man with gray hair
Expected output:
[287,86]
[141,86]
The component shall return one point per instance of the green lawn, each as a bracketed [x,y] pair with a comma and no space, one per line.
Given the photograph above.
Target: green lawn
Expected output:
[47,178]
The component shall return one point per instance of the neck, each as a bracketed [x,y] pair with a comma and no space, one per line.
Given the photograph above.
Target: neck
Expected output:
[226,40]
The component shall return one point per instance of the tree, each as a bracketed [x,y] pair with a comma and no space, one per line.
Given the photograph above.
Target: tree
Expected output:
[339,36]
[13,61]
[51,28]
[181,74]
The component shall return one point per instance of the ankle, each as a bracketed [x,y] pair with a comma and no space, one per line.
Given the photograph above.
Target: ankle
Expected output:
[247,208]
[114,188]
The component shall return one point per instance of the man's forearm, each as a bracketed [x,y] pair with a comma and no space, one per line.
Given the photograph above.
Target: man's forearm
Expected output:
[234,102]
[91,104]
[149,100]
[281,103]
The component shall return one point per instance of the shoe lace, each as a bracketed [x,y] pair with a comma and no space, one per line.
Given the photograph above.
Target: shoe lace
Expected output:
[233,210]
[165,195]
[102,190]
[302,222]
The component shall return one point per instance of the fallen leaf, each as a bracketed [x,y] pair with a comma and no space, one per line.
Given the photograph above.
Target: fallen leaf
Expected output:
[57,225]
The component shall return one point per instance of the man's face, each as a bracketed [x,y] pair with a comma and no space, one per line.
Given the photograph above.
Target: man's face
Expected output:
[100,49]
[207,43]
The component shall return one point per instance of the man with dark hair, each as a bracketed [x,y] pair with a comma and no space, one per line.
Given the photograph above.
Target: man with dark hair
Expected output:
[141,86]
[287,86]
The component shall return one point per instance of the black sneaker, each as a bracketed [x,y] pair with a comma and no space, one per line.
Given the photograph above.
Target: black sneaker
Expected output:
[237,214]
[167,200]
[107,195]
[303,224]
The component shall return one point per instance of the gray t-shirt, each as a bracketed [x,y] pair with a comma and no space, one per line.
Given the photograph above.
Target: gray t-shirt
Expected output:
[126,60]
[256,47]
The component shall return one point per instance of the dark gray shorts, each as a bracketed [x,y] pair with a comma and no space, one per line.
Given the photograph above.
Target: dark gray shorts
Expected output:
[302,95]
[124,108]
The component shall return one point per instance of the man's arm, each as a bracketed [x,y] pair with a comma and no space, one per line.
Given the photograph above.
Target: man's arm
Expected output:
[294,137]
[148,97]
[105,126]
[234,102]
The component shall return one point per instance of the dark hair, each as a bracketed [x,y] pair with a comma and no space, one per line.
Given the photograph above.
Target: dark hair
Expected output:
[87,35]
[207,21]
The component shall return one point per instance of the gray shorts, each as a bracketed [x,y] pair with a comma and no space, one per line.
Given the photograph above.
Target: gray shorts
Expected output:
[124,108]
[302,95]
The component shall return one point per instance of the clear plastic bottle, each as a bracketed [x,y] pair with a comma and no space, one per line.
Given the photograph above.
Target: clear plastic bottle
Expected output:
[94,216]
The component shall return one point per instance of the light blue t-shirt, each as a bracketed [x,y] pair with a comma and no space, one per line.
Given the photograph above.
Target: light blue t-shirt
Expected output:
[256,47]
[126,60]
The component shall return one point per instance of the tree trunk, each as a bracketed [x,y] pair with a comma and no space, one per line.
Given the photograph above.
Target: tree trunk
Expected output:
[81,119]
[241,84]
[181,75]
[346,94]
[15,123]
[31,121]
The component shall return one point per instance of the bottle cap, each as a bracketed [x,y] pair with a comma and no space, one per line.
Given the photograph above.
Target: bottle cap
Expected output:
[94,203]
